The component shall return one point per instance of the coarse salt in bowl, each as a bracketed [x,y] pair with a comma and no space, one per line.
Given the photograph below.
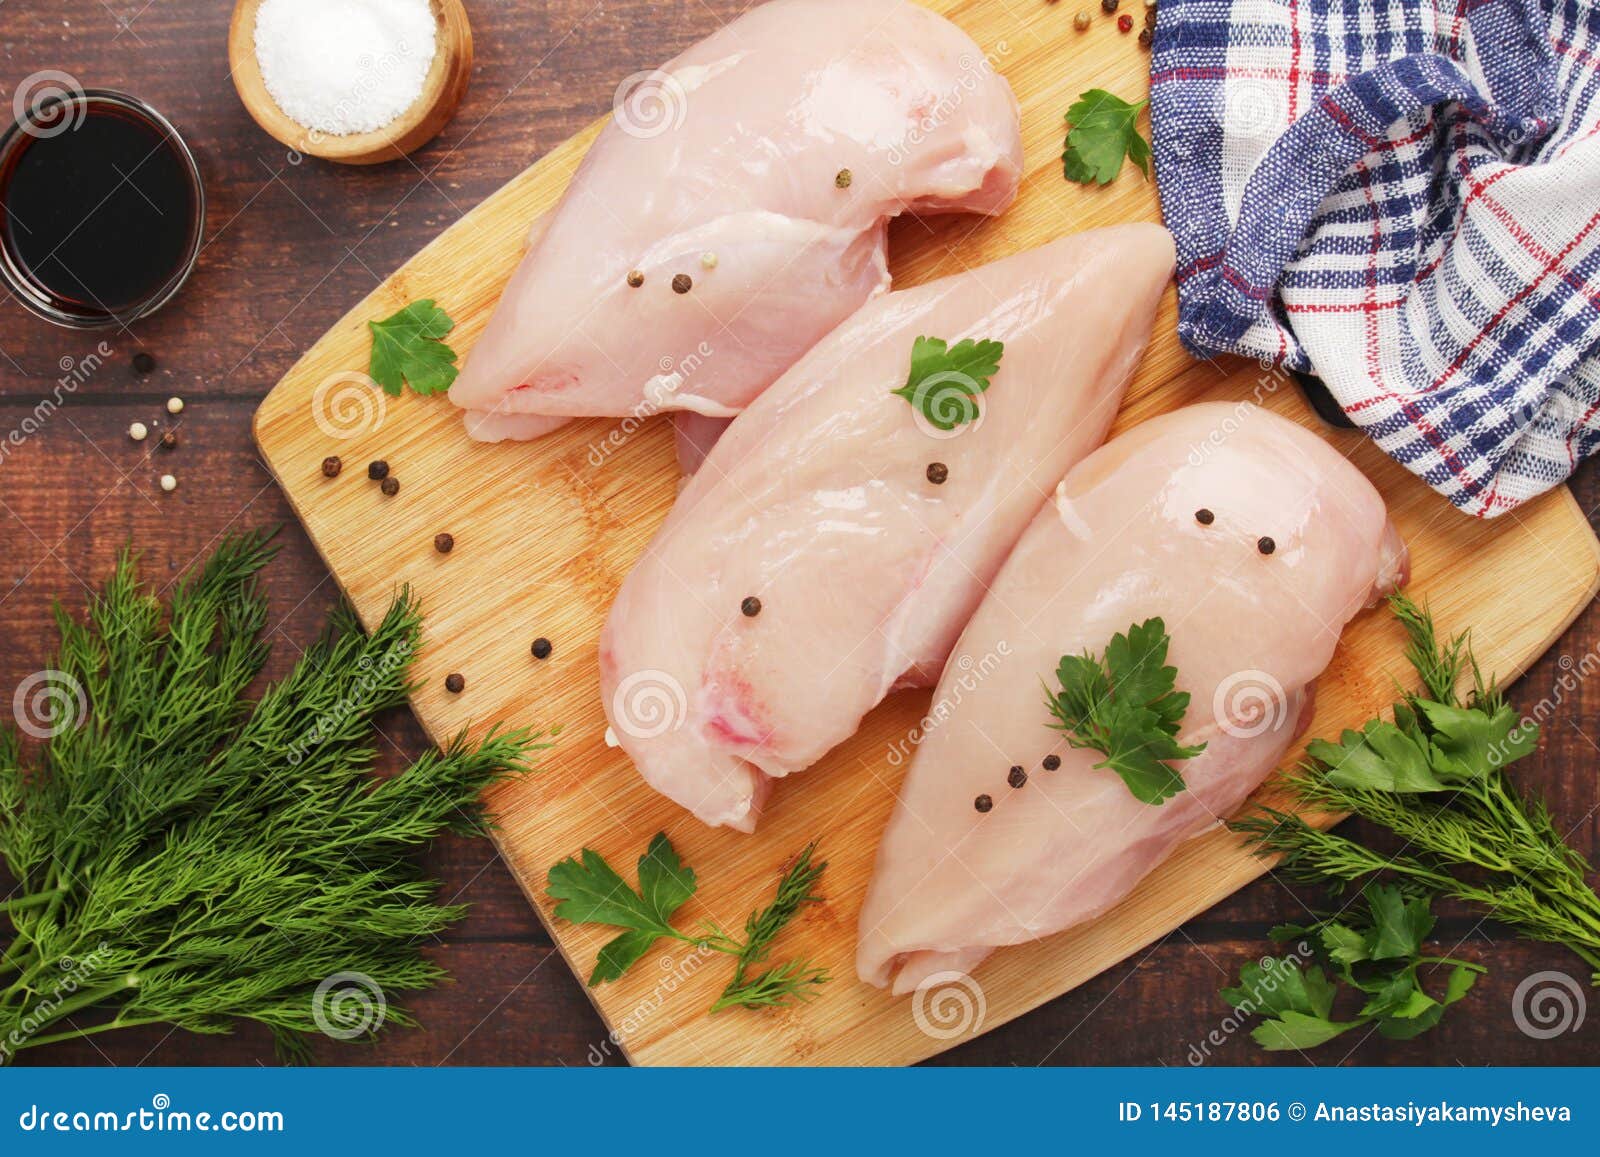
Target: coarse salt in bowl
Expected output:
[344,66]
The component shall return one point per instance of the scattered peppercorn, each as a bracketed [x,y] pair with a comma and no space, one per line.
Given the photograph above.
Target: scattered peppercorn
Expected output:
[1150,16]
[1082,21]
[983,803]
[390,486]
[143,363]
[1051,762]
[1265,545]
[1108,5]
[454,683]
[1124,23]
[444,543]
[542,648]
[1145,38]
[1204,517]
[681,283]
[138,432]
[168,483]
[751,607]
[174,405]
[635,278]
[331,466]
[937,473]
[169,440]
[842,179]
[1017,778]
[378,471]
[708,260]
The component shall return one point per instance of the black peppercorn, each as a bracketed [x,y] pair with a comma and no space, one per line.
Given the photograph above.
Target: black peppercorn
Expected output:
[635,279]
[1146,37]
[1017,777]
[1051,762]
[143,363]
[169,440]
[378,471]
[937,473]
[751,607]
[444,543]
[1265,545]
[390,486]
[1204,517]
[1108,5]
[454,683]
[542,648]
[331,465]
[681,283]
[983,803]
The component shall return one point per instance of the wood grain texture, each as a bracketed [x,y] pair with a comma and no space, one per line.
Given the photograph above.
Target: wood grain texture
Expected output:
[546,531]
[288,249]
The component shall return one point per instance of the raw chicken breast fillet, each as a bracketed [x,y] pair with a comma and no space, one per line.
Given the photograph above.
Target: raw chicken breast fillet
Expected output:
[725,167]
[818,503]
[1250,631]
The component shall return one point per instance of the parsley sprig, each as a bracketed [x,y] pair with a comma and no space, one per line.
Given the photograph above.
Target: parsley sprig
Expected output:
[1103,130]
[1436,778]
[1374,951]
[408,347]
[1124,705]
[590,891]
[945,381]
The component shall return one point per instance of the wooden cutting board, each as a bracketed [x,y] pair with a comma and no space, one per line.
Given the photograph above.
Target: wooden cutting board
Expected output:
[545,532]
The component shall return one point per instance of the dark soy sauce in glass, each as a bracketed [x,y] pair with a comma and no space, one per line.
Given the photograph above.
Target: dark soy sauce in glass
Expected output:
[101,209]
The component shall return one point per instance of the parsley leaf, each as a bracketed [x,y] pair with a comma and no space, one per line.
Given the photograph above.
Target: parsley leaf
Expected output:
[1103,130]
[1125,707]
[1374,951]
[945,381]
[592,892]
[407,348]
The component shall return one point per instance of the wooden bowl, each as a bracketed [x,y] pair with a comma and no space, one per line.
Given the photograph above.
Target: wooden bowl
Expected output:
[442,90]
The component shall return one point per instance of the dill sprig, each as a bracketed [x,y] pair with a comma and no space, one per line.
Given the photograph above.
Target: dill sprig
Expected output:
[188,857]
[1435,778]
[794,980]
[590,891]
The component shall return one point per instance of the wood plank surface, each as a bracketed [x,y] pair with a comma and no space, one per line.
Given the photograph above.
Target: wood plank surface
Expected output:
[289,248]
[546,531]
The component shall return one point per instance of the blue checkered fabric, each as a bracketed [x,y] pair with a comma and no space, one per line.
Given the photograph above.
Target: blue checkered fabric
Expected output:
[1403,198]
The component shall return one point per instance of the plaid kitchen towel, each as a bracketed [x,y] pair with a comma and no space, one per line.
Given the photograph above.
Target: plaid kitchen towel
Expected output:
[1402,197]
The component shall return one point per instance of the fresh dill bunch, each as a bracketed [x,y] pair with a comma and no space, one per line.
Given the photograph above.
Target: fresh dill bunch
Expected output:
[1435,778]
[189,857]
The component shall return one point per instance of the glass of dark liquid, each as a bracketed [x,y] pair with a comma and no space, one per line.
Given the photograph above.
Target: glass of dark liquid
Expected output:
[102,210]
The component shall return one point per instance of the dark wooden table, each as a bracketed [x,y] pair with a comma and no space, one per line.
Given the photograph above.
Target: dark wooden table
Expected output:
[289,247]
